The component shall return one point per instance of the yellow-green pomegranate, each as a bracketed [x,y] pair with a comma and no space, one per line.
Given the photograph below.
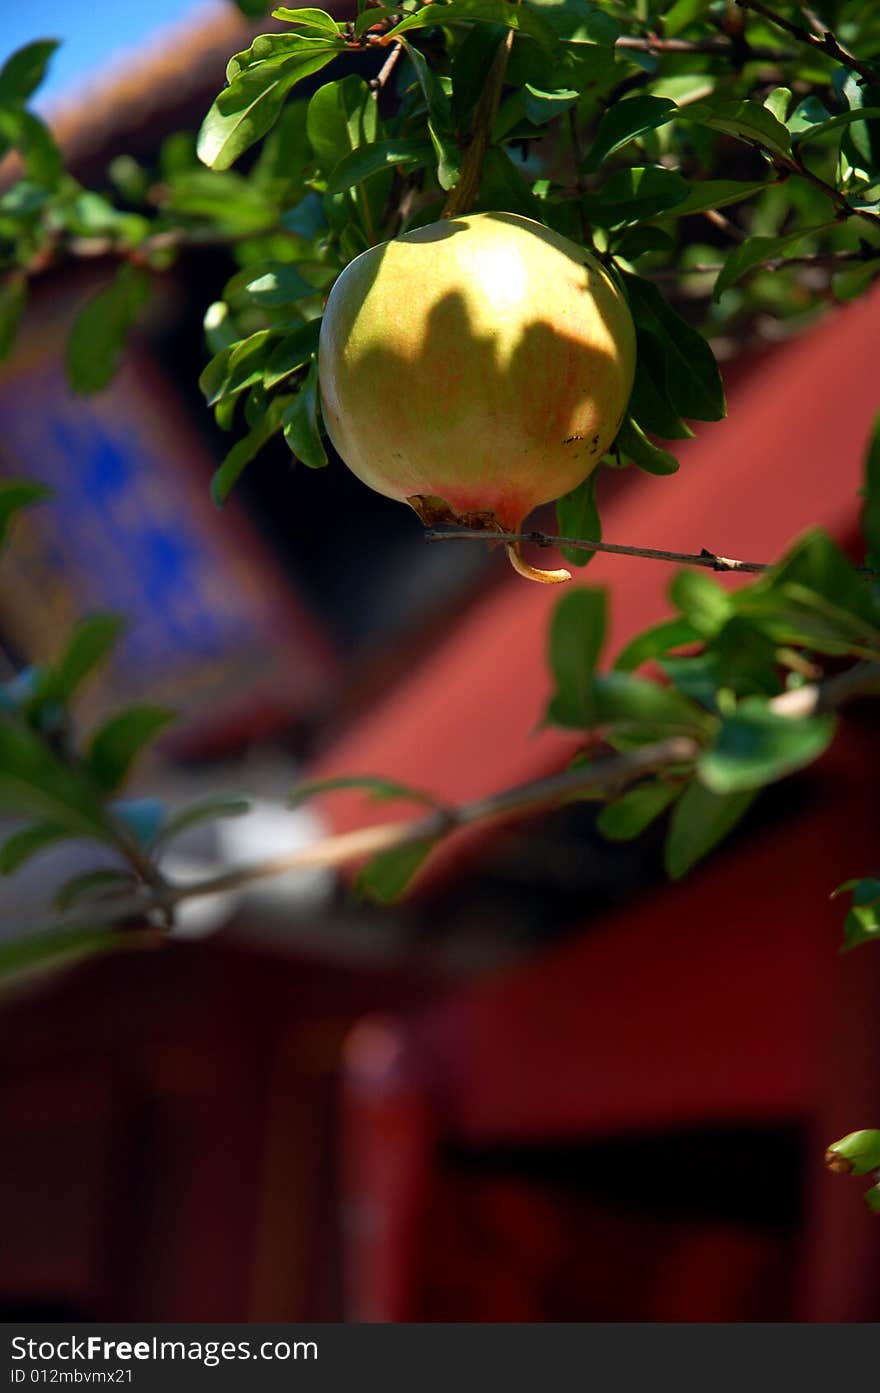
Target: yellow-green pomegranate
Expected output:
[476,368]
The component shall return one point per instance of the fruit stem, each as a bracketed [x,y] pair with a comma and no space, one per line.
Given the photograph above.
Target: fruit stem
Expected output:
[522,567]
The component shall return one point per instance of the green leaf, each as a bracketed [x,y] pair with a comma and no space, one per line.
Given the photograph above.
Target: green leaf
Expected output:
[341,118]
[816,129]
[359,164]
[89,214]
[27,842]
[317,20]
[756,745]
[13,298]
[522,17]
[503,188]
[649,406]
[213,377]
[383,790]
[746,659]
[746,120]
[696,676]
[207,810]
[682,13]
[577,632]
[32,138]
[274,284]
[441,127]
[295,348]
[24,70]
[870,493]
[861,925]
[619,698]
[754,250]
[541,106]
[717,193]
[777,103]
[99,331]
[632,195]
[693,382]
[577,22]
[301,423]
[234,369]
[386,876]
[700,820]
[653,643]
[633,442]
[577,515]
[629,815]
[20,955]
[91,642]
[103,884]
[244,451]
[705,605]
[636,241]
[16,494]
[35,783]
[249,106]
[856,1154]
[852,280]
[228,200]
[815,580]
[626,120]
[117,743]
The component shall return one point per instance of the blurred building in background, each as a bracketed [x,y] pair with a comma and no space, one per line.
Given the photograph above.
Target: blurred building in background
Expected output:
[550,1086]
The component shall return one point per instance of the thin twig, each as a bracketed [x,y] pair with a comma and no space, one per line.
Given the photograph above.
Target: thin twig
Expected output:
[707,559]
[169,239]
[829,260]
[826,43]
[724,224]
[795,164]
[378,82]
[654,44]
[462,196]
[609,775]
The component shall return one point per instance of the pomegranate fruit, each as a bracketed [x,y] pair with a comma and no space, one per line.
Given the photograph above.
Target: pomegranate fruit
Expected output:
[476,368]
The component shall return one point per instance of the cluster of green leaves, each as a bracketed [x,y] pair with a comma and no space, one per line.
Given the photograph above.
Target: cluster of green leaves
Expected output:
[725,668]
[60,787]
[604,134]
[46,207]
[601,133]
[627,176]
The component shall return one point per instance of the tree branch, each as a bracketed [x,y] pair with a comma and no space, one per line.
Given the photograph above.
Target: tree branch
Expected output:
[378,82]
[609,776]
[825,43]
[829,260]
[795,164]
[707,559]
[461,197]
[723,47]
